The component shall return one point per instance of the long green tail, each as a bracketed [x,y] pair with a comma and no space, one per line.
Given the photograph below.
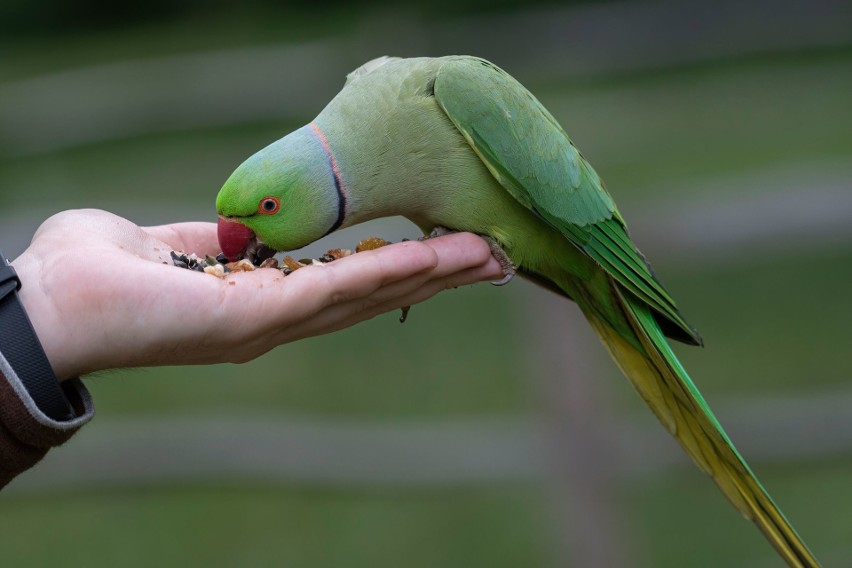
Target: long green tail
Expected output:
[662,382]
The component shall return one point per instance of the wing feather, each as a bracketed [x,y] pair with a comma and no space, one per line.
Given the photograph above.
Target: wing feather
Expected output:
[531,156]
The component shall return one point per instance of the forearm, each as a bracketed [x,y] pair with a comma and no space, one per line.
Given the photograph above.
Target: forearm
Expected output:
[26,433]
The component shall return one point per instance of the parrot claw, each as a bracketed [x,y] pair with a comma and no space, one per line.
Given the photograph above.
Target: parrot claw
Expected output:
[403,313]
[506,263]
[503,281]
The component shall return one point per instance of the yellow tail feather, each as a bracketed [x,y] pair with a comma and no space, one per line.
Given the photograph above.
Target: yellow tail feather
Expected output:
[660,380]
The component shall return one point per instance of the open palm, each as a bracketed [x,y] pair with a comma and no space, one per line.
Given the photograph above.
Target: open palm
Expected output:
[102,292]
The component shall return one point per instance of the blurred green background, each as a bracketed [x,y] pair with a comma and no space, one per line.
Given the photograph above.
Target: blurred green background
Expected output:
[490,429]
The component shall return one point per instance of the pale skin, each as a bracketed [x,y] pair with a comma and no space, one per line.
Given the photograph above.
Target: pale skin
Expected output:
[102,293]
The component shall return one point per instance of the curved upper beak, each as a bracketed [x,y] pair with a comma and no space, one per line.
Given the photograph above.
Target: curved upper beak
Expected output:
[234,238]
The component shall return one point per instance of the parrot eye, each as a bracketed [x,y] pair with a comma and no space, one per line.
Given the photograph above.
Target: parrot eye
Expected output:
[269,205]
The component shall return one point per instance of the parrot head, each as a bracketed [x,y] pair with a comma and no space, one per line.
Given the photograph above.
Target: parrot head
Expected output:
[282,198]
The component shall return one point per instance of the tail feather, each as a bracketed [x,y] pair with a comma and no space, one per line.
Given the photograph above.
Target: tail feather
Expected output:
[662,382]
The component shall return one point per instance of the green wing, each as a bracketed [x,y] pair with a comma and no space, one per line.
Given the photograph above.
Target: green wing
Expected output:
[532,157]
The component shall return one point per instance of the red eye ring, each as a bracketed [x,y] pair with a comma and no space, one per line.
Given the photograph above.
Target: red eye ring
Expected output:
[269,205]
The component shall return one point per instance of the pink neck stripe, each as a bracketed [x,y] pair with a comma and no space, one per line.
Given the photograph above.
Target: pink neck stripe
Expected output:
[342,192]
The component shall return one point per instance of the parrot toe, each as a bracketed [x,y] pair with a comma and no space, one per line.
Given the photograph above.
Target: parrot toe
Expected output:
[506,263]
[438,231]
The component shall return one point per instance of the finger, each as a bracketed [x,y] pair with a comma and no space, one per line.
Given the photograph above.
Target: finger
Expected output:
[360,275]
[459,251]
[264,300]
[198,237]
[404,293]
[455,254]
[414,289]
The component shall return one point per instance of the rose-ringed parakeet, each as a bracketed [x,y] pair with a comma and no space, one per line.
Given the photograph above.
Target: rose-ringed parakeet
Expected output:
[456,142]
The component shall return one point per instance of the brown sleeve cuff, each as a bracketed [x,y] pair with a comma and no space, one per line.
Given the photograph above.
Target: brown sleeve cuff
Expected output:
[26,433]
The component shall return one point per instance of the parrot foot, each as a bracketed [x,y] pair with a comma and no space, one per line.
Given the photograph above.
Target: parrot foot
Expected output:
[437,231]
[506,263]
[497,252]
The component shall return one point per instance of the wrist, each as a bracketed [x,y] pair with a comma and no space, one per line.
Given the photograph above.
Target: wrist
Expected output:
[42,314]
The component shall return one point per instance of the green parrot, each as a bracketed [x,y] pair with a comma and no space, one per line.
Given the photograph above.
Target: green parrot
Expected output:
[456,142]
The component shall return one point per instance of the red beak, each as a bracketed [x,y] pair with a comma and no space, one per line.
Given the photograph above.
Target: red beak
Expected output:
[234,237]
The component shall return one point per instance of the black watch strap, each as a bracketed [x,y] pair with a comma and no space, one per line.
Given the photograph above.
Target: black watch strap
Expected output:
[23,351]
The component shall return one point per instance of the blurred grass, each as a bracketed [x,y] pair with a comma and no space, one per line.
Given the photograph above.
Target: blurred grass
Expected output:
[675,520]
[775,324]
[243,26]
[261,526]
[183,168]
[703,530]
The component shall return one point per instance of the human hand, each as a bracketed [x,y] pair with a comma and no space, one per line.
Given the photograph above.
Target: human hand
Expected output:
[102,292]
